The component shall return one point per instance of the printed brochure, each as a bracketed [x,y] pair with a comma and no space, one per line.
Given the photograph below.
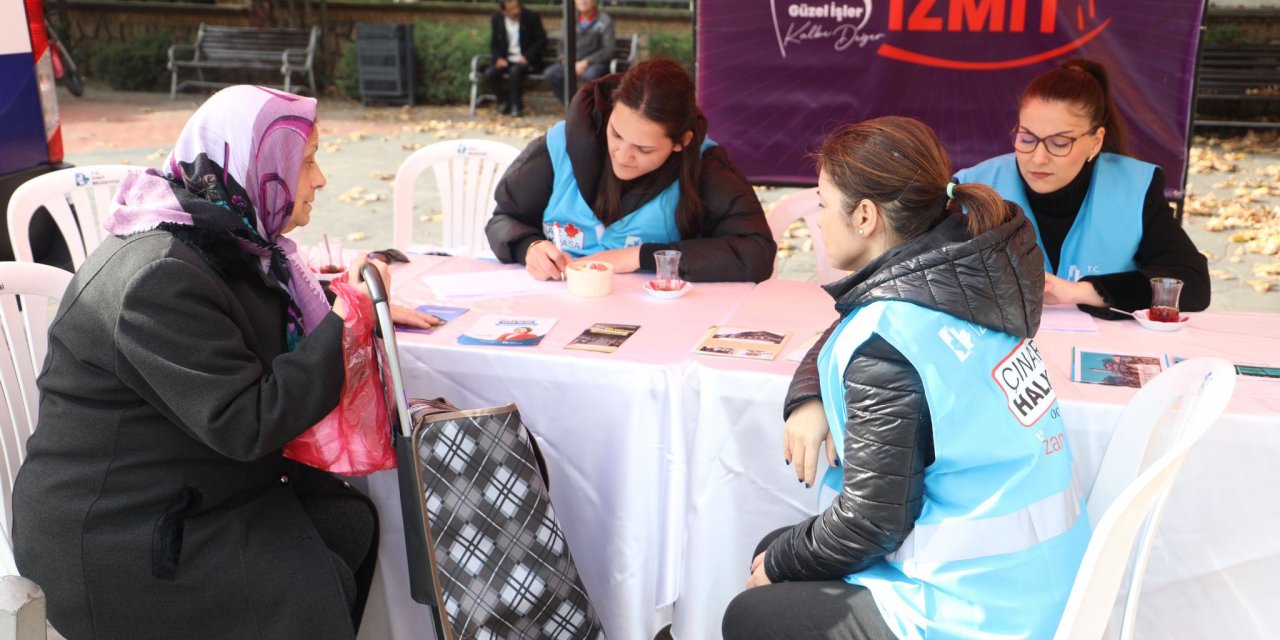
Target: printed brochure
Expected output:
[603,337]
[1115,369]
[742,342]
[447,314]
[507,331]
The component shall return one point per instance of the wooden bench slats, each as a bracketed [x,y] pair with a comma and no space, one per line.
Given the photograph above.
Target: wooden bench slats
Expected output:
[216,47]
[1245,73]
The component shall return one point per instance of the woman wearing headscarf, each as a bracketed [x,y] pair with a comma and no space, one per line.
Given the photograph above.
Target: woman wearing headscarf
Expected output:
[188,350]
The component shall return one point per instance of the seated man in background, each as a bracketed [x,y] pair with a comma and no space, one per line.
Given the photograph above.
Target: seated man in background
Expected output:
[516,40]
[595,45]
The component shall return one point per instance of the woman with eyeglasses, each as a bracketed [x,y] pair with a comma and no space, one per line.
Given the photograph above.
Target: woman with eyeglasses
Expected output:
[1101,216]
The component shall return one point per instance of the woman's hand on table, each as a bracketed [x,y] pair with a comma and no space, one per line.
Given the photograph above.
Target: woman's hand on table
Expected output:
[1062,291]
[624,260]
[802,439]
[544,261]
[758,577]
[404,316]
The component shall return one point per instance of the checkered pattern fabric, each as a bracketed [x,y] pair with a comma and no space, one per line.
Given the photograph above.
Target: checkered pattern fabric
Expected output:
[504,566]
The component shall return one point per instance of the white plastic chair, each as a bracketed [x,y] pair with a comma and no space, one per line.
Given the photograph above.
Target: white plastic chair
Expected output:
[803,205]
[1128,498]
[88,189]
[25,291]
[467,173]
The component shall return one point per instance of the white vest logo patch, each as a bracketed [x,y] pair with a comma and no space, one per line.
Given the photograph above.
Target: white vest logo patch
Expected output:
[958,340]
[1023,378]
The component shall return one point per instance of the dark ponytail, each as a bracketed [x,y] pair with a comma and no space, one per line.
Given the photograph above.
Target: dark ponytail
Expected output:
[898,164]
[662,92]
[1082,84]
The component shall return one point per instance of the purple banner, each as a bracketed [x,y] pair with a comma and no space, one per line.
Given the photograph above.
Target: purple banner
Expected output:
[775,76]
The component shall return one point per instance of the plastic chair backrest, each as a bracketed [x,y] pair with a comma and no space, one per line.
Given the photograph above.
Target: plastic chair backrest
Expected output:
[797,206]
[1128,499]
[467,173]
[89,190]
[25,291]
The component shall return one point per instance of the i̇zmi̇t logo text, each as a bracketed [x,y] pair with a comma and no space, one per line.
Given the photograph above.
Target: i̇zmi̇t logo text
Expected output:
[1045,21]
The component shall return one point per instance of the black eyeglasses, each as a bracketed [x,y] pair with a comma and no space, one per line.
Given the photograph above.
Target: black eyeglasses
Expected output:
[1057,145]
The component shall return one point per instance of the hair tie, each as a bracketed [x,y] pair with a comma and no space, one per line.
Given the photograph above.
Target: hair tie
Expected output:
[950,186]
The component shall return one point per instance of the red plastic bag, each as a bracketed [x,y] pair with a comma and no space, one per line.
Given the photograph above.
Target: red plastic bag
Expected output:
[355,438]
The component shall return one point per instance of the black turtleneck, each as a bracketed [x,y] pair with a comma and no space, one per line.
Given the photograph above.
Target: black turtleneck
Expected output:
[1055,212]
[1164,251]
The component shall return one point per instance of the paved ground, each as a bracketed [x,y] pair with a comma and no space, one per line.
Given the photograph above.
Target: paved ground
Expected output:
[1234,213]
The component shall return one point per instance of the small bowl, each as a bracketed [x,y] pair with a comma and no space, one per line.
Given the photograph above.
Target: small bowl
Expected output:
[1141,316]
[667,294]
[589,278]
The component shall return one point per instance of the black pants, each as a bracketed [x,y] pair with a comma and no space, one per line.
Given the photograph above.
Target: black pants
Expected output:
[508,83]
[825,610]
[554,76]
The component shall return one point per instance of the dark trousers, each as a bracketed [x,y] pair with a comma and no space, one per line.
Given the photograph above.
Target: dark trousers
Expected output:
[555,77]
[827,610]
[508,83]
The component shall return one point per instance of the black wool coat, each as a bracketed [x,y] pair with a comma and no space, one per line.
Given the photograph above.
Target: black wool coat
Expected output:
[154,501]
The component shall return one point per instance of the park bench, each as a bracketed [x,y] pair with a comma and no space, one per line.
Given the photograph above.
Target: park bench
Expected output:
[1246,74]
[231,49]
[624,57]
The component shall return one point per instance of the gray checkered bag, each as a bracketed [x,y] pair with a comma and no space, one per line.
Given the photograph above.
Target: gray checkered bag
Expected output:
[500,565]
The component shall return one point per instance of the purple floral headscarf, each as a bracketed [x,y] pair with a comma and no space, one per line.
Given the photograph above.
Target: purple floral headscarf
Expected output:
[235,167]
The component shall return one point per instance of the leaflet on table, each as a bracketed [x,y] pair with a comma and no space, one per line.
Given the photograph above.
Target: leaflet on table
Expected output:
[446,314]
[487,284]
[1115,369]
[1252,370]
[742,342]
[507,331]
[603,337]
[799,351]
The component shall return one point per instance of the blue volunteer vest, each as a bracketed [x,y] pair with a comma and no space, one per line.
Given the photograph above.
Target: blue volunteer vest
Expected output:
[581,232]
[1106,233]
[1003,525]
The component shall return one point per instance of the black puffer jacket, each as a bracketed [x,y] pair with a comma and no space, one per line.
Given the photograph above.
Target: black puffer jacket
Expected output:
[735,244]
[995,280]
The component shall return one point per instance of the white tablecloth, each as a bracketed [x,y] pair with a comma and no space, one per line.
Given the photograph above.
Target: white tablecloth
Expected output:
[1216,562]
[667,467]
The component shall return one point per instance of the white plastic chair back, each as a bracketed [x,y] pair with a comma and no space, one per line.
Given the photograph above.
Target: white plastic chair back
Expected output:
[467,173]
[803,205]
[25,291]
[89,190]
[1128,498]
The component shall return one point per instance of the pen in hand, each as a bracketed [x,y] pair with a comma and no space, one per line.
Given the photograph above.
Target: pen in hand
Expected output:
[557,238]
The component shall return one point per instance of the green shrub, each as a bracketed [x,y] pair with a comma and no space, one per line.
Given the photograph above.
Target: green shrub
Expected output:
[676,46]
[444,54]
[134,65]
[347,75]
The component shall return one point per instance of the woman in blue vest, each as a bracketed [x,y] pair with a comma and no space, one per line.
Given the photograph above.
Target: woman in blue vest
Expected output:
[951,510]
[1101,216]
[630,171]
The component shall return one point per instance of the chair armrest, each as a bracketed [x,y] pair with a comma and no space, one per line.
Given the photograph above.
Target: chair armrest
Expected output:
[479,62]
[285,64]
[173,49]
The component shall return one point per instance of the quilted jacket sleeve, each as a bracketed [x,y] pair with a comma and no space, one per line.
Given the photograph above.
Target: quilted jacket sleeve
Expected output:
[888,443]
[804,384]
